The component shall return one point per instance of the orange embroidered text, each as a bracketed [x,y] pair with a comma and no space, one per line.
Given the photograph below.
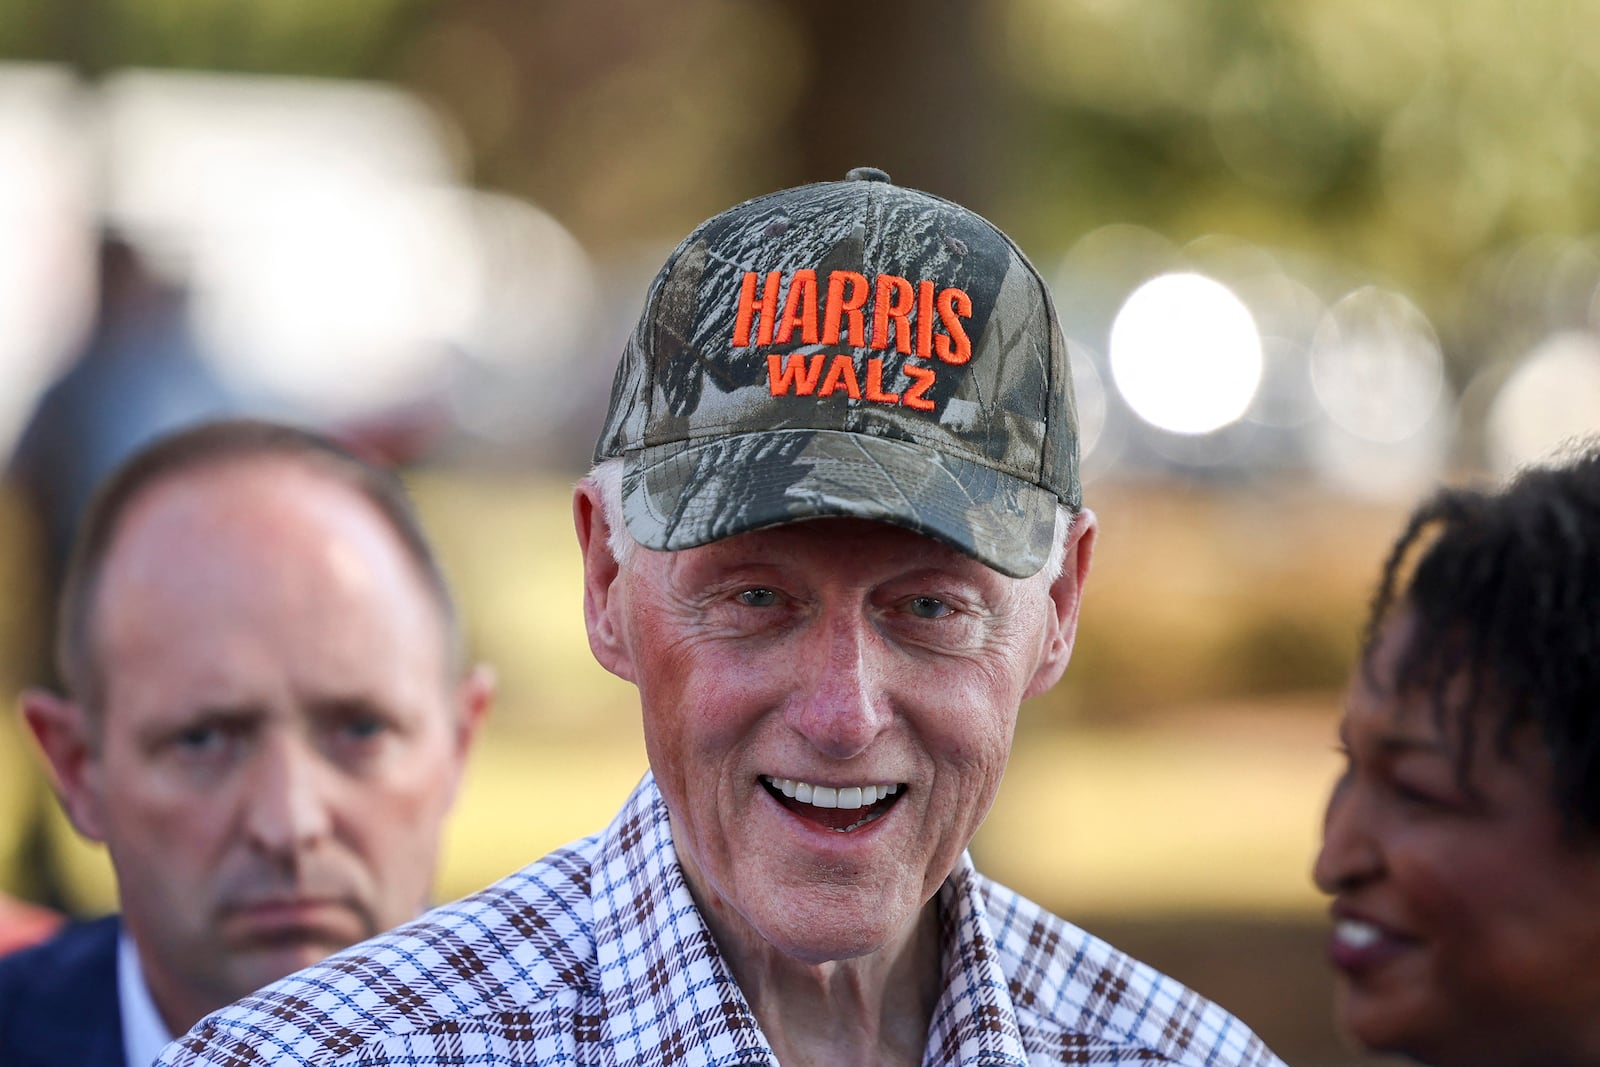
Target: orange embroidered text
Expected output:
[915,319]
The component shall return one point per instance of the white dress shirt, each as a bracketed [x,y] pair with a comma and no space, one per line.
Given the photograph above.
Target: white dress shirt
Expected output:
[143,1032]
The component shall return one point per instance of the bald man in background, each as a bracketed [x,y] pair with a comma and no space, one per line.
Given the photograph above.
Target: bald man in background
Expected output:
[266,720]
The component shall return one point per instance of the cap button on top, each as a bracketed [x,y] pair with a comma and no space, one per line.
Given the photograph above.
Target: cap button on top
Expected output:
[866,174]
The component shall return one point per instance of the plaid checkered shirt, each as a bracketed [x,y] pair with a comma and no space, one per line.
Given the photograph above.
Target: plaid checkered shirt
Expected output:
[596,955]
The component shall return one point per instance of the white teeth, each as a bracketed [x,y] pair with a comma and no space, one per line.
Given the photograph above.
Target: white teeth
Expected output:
[1355,933]
[827,796]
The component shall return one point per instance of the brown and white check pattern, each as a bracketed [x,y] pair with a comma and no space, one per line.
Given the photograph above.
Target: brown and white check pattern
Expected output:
[595,955]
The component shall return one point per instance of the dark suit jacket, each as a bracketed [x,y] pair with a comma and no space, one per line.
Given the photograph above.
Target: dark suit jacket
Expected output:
[58,1000]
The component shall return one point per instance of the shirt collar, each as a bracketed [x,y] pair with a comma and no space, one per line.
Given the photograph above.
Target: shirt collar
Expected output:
[665,986]
[974,1021]
[667,994]
[143,1032]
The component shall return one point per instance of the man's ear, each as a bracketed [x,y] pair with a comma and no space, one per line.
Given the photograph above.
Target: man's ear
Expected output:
[601,580]
[1066,597]
[474,697]
[65,736]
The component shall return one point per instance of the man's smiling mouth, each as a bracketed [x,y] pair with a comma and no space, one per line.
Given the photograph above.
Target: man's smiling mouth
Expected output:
[837,808]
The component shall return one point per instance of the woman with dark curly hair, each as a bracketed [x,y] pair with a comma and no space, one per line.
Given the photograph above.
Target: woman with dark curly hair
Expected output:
[1462,842]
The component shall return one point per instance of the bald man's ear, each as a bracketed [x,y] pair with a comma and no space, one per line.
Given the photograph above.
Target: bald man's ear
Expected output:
[602,603]
[474,697]
[1066,597]
[65,736]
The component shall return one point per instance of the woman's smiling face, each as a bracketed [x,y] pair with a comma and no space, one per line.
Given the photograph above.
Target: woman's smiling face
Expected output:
[1466,915]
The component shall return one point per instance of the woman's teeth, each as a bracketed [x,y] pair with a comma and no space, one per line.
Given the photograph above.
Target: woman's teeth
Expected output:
[1356,934]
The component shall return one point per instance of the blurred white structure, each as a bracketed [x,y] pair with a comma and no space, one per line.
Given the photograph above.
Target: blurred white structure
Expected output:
[45,268]
[337,265]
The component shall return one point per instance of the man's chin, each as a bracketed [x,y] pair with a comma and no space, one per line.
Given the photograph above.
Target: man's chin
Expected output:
[818,936]
[264,962]
[264,953]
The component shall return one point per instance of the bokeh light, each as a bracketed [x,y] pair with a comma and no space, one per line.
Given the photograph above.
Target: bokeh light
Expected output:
[1090,393]
[1185,353]
[1399,472]
[1376,366]
[1551,397]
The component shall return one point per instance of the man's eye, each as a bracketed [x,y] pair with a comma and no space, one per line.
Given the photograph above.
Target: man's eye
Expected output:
[356,723]
[199,739]
[758,598]
[928,607]
[362,729]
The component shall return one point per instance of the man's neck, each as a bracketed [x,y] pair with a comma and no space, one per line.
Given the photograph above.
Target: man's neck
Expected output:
[870,1011]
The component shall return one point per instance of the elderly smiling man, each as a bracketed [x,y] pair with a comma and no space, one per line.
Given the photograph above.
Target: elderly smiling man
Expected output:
[834,537]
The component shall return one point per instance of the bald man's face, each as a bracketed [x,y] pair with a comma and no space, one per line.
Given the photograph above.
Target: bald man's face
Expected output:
[279,740]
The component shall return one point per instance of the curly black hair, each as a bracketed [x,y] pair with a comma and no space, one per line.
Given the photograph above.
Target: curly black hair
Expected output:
[1503,590]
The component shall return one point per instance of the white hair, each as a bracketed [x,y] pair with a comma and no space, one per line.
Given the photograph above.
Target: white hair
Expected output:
[607,477]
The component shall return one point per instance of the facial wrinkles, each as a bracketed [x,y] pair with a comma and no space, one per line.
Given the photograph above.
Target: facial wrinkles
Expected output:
[837,681]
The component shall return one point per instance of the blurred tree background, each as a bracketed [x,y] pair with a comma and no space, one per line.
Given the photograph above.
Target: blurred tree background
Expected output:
[1405,141]
[1440,151]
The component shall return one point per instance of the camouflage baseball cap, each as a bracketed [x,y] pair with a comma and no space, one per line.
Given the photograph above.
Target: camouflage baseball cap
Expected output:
[852,349]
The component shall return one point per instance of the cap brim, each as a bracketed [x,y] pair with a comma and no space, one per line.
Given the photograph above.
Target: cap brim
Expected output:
[692,493]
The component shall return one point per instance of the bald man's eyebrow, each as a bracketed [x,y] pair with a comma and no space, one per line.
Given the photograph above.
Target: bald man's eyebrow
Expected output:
[229,718]
[343,710]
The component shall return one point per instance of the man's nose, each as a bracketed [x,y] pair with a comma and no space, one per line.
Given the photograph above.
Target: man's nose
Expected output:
[1350,853]
[843,702]
[286,809]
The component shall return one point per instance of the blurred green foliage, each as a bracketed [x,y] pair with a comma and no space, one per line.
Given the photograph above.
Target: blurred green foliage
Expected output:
[302,37]
[1404,139]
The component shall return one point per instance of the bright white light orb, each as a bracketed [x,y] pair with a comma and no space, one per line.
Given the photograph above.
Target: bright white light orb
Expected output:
[1186,354]
[1551,399]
